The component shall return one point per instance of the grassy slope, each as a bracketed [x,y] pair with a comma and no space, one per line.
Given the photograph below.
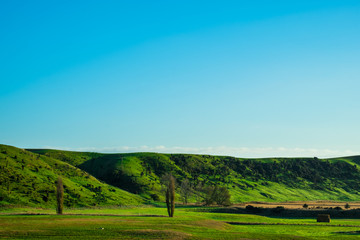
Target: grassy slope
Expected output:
[28,178]
[280,179]
[185,225]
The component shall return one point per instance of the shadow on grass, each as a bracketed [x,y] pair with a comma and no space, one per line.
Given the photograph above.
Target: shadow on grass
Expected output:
[83,214]
[349,233]
[281,212]
[292,224]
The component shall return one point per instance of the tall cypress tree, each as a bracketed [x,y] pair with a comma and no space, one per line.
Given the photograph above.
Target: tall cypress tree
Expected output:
[59,196]
[170,196]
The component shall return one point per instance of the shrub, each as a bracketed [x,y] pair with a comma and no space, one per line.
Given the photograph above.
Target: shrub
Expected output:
[278,209]
[305,206]
[155,197]
[347,206]
[323,218]
[253,209]
[249,207]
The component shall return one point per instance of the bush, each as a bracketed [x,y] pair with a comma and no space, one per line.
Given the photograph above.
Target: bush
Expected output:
[249,207]
[347,206]
[305,206]
[155,197]
[278,209]
[253,209]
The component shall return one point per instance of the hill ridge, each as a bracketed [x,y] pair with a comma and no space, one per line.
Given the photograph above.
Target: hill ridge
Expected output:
[28,178]
[247,179]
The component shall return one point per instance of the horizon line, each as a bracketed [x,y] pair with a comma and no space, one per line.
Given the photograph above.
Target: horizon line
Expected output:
[239,152]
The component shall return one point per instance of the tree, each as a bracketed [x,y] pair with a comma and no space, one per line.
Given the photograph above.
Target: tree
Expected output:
[208,198]
[222,196]
[218,195]
[59,196]
[170,195]
[185,190]
[199,189]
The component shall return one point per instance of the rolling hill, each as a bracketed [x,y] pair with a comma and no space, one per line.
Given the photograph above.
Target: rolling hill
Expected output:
[270,179]
[28,179]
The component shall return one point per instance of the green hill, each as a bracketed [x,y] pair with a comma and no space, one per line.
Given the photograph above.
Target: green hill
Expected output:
[28,178]
[270,179]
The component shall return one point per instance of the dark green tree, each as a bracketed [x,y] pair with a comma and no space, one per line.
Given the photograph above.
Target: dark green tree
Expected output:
[185,190]
[218,195]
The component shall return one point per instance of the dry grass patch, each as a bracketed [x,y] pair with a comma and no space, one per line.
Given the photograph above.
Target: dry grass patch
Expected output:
[93,221]
[14,232]
[156,234]
[218,225]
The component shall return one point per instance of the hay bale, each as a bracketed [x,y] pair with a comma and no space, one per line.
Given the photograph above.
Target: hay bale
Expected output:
[323,218]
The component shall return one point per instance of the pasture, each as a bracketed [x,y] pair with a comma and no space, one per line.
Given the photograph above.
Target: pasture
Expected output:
[152,223]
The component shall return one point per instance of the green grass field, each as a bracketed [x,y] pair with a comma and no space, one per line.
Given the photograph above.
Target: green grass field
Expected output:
[150,223]
[113,196]
[28,177]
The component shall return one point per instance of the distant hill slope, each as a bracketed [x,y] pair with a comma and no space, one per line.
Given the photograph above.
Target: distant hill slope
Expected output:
[28,178]
[271,179]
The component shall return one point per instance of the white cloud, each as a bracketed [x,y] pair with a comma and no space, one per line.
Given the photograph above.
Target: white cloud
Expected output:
[246,152]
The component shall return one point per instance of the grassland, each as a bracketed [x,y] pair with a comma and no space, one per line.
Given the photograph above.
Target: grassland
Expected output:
[149,223]
[28,179]
[270,179]
[119,196]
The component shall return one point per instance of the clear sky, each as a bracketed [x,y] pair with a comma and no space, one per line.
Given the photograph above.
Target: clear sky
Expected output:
[242,78]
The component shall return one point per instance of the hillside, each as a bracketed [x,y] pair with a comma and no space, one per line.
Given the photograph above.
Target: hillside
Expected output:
[271,179]
[28,179]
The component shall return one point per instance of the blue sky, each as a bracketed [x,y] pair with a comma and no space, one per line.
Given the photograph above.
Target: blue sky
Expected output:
[242,78]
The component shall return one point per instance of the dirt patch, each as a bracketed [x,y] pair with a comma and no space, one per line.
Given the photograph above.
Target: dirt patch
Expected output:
[218,225]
